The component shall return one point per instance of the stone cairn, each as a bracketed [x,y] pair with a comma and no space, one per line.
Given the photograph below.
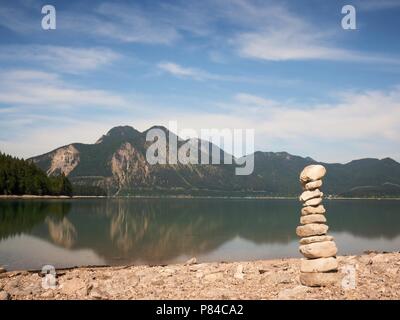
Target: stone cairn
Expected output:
[320,266]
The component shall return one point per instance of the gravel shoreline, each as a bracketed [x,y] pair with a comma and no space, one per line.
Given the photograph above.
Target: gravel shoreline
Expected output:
[33,197]
[377,276]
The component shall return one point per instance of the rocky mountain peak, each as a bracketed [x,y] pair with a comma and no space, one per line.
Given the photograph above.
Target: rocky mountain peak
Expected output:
[119,132]
[117,165]
[122,131]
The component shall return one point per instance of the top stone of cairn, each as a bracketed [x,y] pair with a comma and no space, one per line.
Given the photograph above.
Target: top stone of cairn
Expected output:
[312,173]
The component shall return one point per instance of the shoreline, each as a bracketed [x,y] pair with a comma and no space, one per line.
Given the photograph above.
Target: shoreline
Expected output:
[44,197]
[377,276]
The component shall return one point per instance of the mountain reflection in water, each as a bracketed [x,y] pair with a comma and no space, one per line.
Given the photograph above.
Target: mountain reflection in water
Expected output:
[125,231]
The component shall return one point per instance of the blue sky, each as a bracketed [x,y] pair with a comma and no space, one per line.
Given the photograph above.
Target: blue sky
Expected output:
[285,68]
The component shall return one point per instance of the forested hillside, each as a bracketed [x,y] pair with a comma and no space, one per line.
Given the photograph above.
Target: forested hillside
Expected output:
[19,177]
[116,165]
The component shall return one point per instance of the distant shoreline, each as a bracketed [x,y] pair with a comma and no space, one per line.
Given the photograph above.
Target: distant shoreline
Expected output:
[45,197]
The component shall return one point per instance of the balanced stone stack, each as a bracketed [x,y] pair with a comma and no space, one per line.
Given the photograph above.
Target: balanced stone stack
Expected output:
[320,266]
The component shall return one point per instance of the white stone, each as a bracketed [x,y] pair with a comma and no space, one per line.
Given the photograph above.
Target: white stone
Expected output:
[307,195]
[319,279]
[313,210]
[312,229]
[239,272]
[313,218]
[191,261]
[312,173]
[322,249]
[313,202]
[313,239]
[312,185]
[297,292]
[319,265]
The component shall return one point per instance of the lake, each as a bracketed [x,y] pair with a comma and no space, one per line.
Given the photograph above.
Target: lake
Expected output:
[78,232]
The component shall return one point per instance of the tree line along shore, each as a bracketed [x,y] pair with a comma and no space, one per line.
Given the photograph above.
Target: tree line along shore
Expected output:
[21,177]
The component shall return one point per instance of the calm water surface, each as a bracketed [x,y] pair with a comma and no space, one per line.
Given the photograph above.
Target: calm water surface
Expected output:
[159,231]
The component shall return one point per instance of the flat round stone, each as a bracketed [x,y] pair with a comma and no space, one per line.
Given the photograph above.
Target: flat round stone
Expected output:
[313,218]
[312,173]
[313,210]
[312,185]
[313,239]
[314,201]
[322,249]
[307,195]
[320,279]
[319,265]
[312,229]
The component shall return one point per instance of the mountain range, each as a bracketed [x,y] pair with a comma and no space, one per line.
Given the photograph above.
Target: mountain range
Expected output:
[116,165]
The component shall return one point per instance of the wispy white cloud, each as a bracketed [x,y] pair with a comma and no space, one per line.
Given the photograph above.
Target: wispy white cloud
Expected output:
[60,58]
[363,115]
[264,30]
[16,19]
[37,88]
[371,5]
[286,45]
[293,44]
[253,100]
[33,141]
[359,124]
[184,72]
[124,23]
[277,34]
[115,21]
[180,71]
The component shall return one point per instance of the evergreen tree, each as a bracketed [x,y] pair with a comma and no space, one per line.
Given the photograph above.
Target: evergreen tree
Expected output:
[18,177]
